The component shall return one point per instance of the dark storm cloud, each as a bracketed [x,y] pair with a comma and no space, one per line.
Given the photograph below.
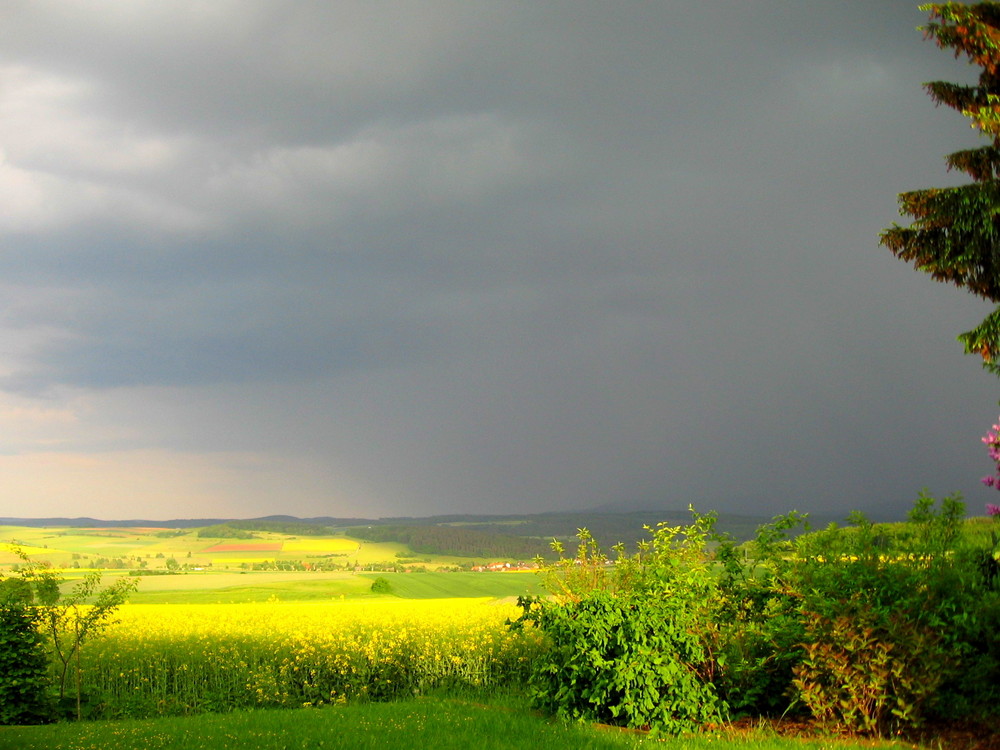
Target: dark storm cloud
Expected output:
[492,256]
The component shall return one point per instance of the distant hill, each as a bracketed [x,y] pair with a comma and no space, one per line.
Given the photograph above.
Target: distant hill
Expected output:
[177,523]
[458,541]
[607,528]
[174,523]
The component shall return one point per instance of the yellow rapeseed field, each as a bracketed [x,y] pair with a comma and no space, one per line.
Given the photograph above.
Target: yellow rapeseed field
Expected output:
[172,658]
[319,545]
[12,549]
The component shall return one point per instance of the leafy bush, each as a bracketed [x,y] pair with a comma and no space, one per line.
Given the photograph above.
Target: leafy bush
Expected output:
[23,663]
[869,674]
[759,651]
[973,689]
[761,626]
[871,628]
[632,642]
[895,620]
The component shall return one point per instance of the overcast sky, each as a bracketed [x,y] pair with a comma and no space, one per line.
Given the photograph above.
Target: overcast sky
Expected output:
[409,258]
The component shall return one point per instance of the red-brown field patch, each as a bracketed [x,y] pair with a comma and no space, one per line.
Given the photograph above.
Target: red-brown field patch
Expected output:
[246,547]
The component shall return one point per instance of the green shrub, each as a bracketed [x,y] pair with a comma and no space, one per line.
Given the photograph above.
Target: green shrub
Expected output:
[872,628]
[900,622]
[869,674]
[619,660]
[24,665]
[631,643]
[965,610]
[759,651]
[760,622]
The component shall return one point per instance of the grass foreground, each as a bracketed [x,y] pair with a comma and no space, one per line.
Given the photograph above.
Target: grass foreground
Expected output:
[419,723]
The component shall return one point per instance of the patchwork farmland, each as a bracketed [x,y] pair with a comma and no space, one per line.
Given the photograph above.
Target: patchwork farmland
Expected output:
[161,549]
[192,566]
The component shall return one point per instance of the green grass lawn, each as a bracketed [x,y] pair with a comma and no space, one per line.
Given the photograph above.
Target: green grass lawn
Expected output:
[259,591]
[418,724]
[234,588]
[458,585]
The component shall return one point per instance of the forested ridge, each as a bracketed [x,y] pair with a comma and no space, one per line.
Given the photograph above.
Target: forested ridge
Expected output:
[457,541]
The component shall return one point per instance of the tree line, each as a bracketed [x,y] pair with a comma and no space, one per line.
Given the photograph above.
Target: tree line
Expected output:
[456,541]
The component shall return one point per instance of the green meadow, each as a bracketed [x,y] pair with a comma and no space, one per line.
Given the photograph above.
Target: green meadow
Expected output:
[414,724]
[235,588]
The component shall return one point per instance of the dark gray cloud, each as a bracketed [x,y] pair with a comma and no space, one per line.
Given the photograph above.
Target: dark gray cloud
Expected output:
[445,256]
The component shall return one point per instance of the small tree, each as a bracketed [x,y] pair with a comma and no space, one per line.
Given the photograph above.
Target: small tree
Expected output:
[69,619]
[955,234]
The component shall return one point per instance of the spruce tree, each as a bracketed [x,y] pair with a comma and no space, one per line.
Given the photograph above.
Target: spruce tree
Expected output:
[955,234]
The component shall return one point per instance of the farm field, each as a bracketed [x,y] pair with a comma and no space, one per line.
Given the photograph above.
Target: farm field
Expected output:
[150,548]
[324,586]
[226,587]
[199,638]
[270,566]
[64,546]
[162,659]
